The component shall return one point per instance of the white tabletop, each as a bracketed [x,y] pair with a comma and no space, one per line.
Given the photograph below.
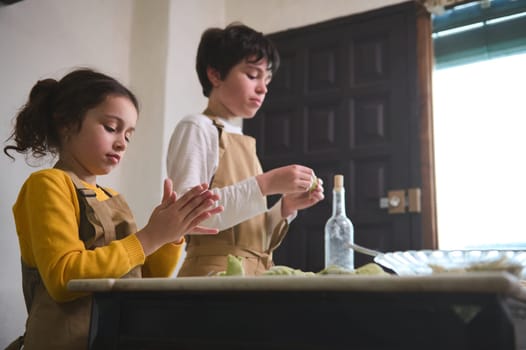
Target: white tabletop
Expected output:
[478,282]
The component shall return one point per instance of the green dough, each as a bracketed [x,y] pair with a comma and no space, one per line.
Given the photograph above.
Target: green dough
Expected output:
[281,270]
[335,270]
[234,266]
[314,184]
[367,269]
[370,269]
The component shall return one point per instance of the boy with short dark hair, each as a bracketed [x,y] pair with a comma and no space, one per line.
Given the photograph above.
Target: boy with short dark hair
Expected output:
[234,66]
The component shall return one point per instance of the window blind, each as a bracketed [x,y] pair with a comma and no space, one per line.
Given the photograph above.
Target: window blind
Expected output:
[472,32]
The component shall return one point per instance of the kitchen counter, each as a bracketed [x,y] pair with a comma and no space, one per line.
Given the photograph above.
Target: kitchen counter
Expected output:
[444,311]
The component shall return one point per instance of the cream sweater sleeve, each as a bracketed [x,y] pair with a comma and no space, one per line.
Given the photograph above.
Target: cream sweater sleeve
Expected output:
[193,156]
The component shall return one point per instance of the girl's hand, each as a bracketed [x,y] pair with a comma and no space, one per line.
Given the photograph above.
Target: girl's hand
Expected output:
[174,217]
[287,179]
[292,202]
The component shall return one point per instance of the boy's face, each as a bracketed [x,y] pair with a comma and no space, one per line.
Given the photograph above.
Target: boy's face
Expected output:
[242,92]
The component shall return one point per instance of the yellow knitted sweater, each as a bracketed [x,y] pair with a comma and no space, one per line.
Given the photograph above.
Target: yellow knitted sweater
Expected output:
[47,217]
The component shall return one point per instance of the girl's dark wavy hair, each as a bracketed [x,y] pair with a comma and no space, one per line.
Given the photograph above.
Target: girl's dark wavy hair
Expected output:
[53,105]
[222,49]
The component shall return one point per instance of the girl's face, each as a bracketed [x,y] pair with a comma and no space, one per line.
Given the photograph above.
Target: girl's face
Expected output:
[242,92]
[102,140]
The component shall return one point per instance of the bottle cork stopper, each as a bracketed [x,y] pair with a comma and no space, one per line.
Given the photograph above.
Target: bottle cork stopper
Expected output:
[338,181]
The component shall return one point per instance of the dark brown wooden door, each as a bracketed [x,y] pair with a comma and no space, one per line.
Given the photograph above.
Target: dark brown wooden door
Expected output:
[345,101]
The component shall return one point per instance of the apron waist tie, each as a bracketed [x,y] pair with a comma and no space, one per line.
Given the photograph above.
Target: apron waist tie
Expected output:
[193,251]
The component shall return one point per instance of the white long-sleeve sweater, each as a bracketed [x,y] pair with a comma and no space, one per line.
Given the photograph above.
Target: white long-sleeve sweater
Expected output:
[193,156]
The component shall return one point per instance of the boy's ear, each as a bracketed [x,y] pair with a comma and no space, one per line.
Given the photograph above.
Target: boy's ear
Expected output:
[213,76]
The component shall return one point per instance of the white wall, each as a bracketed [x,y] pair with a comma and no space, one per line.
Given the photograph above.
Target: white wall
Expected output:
[142,166]
[188,19]
[148,45]
[40,39]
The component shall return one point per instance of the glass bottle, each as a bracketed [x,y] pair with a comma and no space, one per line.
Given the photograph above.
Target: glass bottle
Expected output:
[339,231]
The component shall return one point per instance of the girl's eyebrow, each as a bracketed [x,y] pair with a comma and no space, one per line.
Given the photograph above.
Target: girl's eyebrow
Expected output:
[119,120]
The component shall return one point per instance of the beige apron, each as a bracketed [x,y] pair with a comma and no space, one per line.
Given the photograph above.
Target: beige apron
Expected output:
[207,254]
[52,325]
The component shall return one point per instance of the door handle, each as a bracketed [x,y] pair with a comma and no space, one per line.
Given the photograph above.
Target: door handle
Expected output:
[402,201]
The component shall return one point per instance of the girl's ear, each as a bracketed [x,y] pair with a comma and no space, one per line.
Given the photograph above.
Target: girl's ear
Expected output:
[65,133]
[213,76]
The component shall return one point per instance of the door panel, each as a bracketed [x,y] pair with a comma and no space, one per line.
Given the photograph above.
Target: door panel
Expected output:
[344,101]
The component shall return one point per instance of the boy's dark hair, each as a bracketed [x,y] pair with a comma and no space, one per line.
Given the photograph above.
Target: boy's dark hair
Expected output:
[221,49]
[53,105]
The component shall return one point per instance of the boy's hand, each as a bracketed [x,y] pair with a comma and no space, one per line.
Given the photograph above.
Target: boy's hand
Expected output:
[292,202]
[288,179]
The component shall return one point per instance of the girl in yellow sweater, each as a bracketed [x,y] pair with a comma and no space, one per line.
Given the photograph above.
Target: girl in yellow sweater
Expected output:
[69,227]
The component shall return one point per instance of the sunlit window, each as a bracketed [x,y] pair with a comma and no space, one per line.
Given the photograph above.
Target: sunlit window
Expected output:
[480,153]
